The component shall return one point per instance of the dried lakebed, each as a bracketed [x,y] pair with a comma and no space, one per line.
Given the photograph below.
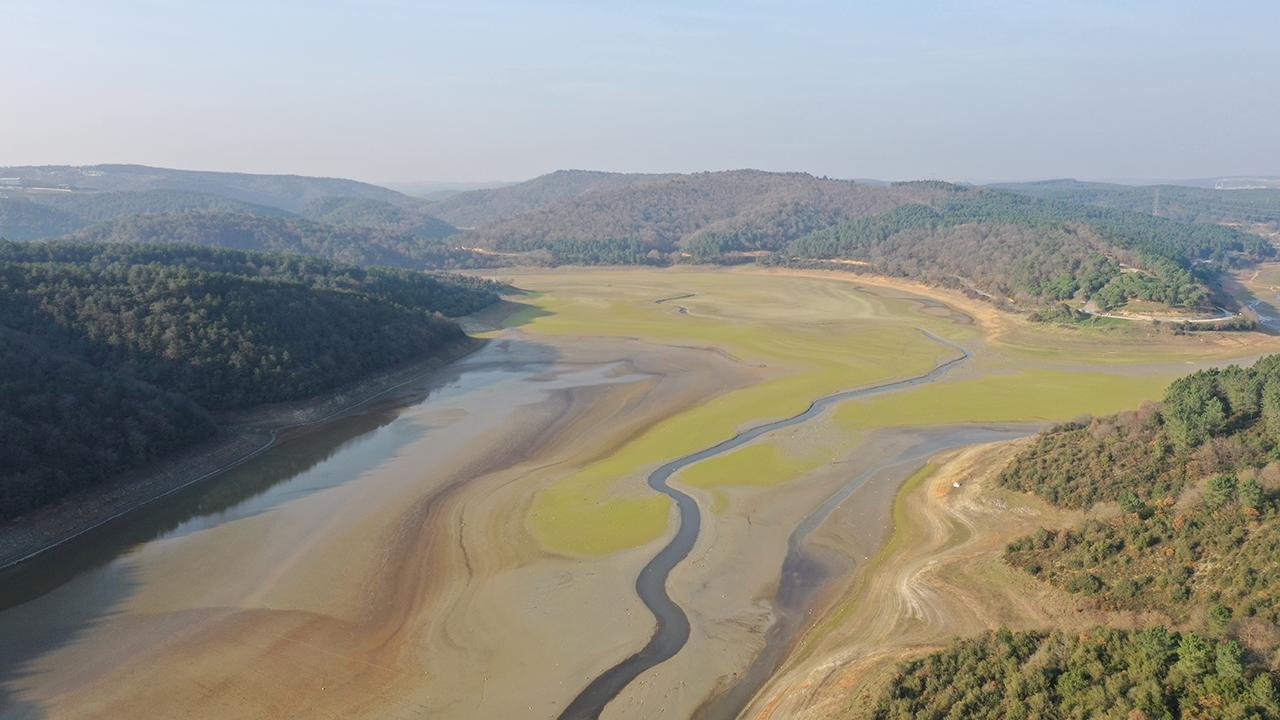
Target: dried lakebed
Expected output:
[672,631]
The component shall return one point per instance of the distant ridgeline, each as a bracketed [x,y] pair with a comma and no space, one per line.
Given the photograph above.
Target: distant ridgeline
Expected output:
[1042,247]
[357,245]
[339,219]
[1188,204]
[1010,248]
[1029,250]
[1195,542]
[114,355]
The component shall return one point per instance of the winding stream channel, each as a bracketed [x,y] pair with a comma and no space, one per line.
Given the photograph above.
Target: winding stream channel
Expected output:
[673,628]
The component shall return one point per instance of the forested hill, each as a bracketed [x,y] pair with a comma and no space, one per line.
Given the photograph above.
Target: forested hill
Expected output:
[476,208]
[114,355]
[734,210]
[1013,248]
[288,192]
[1194,543]
[1189,204]
[43,215]
[1036,251]
[408,218]
[1055,249]
[355,244]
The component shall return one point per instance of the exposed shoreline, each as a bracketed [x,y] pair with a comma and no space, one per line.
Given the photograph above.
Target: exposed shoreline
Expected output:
[940,574]
[242,436]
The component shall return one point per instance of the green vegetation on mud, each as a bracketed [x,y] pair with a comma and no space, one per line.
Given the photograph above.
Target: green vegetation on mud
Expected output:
[759,464]
[850,336]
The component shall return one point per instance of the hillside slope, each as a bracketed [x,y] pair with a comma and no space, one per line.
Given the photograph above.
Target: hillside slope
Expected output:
[1027,250]
[1191,543]
[148,339]
[43,215]
[409,218]
[349,244]
[476,208]
[747,209]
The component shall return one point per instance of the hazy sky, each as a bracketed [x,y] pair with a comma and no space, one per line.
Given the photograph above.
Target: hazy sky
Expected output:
[482,90]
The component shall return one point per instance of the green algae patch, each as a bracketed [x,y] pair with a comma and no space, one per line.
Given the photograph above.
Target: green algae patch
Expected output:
[760,464]
[578,518]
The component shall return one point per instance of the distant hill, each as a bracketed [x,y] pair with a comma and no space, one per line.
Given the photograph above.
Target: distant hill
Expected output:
[113,355]
[1010,247]
[22,219]
[1189,204]
[482,207]
[1232,182]
[37,215]
[745,209]
[288,192]
[441,190]
[348,244]
[411,218]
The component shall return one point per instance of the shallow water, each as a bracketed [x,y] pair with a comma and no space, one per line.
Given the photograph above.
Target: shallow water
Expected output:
[63,597]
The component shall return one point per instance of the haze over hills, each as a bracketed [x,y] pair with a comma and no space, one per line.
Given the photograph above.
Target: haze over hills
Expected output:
[1180,202]
[288,192]
[437,190]
[481,207]
[50,201]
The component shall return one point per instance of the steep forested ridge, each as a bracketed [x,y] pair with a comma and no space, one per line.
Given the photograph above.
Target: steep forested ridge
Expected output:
[152,337]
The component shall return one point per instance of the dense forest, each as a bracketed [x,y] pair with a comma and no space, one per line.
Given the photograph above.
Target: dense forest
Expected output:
[1031,250]
[346,244]
[1199,529]
[1146,674]
[1193,542]
[151,338]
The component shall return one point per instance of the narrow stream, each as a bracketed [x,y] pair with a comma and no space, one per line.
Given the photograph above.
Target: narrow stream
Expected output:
[672,630]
